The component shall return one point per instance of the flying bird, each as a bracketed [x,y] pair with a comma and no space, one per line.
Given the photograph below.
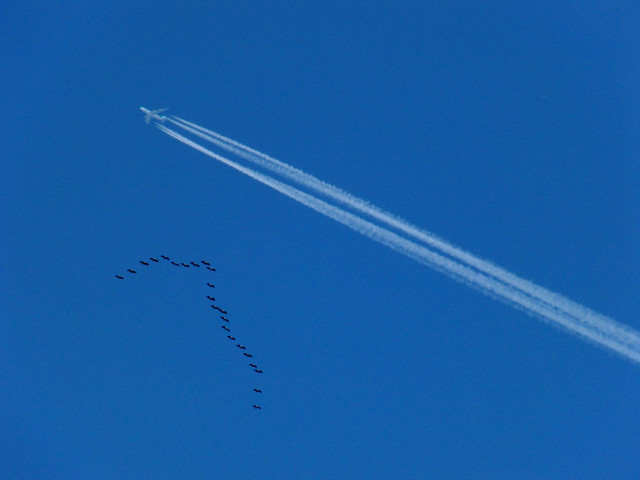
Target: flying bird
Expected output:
[165,257]
[257,407]
[257,390]
[257,371]
[211,298]
[175,263]
[212,286]
[195,264]
[246,354]
[224,318]
[132,271]
[144,263]
[225,328]
[155,260]
[241,347]
[120,277]
[253,365]
[230,337]
[211,268]
[184,265]
[205,262]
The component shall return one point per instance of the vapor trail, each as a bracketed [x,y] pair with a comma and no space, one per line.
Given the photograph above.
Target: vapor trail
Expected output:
[625,345]
[552,299]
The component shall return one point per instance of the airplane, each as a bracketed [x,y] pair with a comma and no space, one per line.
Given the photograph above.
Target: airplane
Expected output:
[241,347]
[151,258]
[257,390]
[165,257]
[257,407]
[224,318]
[144,263]
[257,371]
[129,270]
[120,277]
[149,114]
[212,286]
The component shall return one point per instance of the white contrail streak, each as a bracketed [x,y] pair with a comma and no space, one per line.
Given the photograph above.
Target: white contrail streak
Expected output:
[623,345]
[553,300]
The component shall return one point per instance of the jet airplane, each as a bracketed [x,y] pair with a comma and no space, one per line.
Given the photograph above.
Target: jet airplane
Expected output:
[153,114]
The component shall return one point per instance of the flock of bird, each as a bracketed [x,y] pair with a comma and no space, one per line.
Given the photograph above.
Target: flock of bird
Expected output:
[207,265]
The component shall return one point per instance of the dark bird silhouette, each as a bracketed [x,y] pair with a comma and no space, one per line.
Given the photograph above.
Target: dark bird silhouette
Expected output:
[175,263]
[120,277]
[132,271]
[205,262]
[184,265]
[153,259]
[211,298]
[223,311]
[144,263]
[257,407]
[253,365]
[212,286]
[257,371]
[241,347]
[224,318]
[211,268]
[246,354]
[165,257]
[257,390]
[230,337]
[195,264]
[225,328]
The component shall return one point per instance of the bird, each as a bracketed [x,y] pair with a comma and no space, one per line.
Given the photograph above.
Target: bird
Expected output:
[194,264]
[241,347]
[257,390]
[205,262]
[120,277]
[223,311]
[175,263]
[257,371]
[153,259]
[211,268]
[230,337]
[246,354]
[184,265]
[211,298]
[212,286]
[165,257]
[132,271]
[257,407]
[144,263]
[224,318]
[225,328]
[253,365]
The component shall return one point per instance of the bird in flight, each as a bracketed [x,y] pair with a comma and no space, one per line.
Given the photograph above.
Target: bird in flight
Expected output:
[257,407]
[132,271]
[120,277]
[257,390]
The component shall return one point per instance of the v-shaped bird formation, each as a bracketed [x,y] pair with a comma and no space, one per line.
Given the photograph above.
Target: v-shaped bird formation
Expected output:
[223,317]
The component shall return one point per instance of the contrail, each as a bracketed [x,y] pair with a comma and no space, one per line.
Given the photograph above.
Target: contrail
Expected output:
[553,300]
[625,345]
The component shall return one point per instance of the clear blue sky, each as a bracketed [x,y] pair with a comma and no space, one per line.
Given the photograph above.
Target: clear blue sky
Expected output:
[509,130]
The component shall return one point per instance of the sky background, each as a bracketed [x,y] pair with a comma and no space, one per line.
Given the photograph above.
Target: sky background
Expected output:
[509,129]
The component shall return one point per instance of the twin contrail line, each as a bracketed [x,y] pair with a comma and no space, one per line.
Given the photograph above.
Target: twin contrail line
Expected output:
[430,250]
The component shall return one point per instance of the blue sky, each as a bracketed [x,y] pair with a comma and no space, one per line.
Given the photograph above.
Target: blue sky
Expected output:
[510,131]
